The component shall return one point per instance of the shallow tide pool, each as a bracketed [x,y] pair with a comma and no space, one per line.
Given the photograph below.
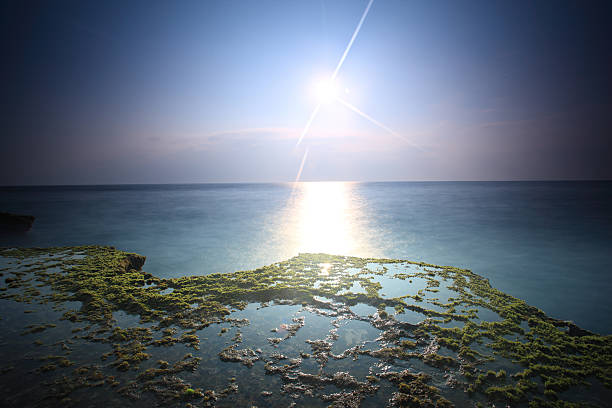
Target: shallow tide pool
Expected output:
[84,326]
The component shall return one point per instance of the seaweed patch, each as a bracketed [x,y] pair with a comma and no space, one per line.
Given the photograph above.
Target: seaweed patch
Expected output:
[313,330]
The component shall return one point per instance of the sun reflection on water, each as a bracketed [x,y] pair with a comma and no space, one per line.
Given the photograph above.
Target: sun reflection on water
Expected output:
[326,217]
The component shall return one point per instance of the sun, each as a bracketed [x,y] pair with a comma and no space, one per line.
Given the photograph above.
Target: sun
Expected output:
[325,90]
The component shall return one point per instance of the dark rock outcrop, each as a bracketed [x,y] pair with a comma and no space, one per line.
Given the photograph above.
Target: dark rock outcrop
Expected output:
[15,222]
[133,261]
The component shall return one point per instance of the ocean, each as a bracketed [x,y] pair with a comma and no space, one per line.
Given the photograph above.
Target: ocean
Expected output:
[548,243]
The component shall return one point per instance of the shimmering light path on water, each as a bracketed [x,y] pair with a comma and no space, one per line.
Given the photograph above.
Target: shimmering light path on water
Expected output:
[326,217]
[545,242]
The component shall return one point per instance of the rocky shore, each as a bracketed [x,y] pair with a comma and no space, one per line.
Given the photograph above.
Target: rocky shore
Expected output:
[450,340]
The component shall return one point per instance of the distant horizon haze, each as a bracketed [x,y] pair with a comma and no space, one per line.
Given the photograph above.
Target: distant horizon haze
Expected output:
[308,181]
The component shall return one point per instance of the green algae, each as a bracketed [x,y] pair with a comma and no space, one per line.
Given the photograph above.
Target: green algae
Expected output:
[551,356]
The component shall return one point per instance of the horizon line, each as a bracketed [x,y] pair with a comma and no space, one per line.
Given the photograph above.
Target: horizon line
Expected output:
[312,181]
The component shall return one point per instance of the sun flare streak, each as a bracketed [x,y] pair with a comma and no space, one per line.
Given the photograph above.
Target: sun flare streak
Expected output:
[377,123]
[350,44]
[297,178]
[335,74]
[307,127]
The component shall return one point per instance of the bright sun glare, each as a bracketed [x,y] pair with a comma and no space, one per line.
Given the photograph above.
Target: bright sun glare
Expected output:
[326,90]
[324,213]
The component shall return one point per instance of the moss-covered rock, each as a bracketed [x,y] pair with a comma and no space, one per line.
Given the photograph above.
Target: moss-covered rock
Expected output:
[550,357]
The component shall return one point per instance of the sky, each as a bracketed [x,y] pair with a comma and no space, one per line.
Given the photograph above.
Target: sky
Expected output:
[221,91]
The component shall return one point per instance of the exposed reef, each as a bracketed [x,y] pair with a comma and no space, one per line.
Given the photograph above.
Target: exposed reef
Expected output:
[440,335]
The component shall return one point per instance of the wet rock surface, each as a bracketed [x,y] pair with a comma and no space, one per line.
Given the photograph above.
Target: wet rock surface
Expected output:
[116,333]
[245,356]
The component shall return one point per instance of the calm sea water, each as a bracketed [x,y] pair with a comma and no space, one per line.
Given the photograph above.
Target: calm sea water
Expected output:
[549,243]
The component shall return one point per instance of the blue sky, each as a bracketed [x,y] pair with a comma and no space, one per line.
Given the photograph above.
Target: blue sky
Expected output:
[194,91]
